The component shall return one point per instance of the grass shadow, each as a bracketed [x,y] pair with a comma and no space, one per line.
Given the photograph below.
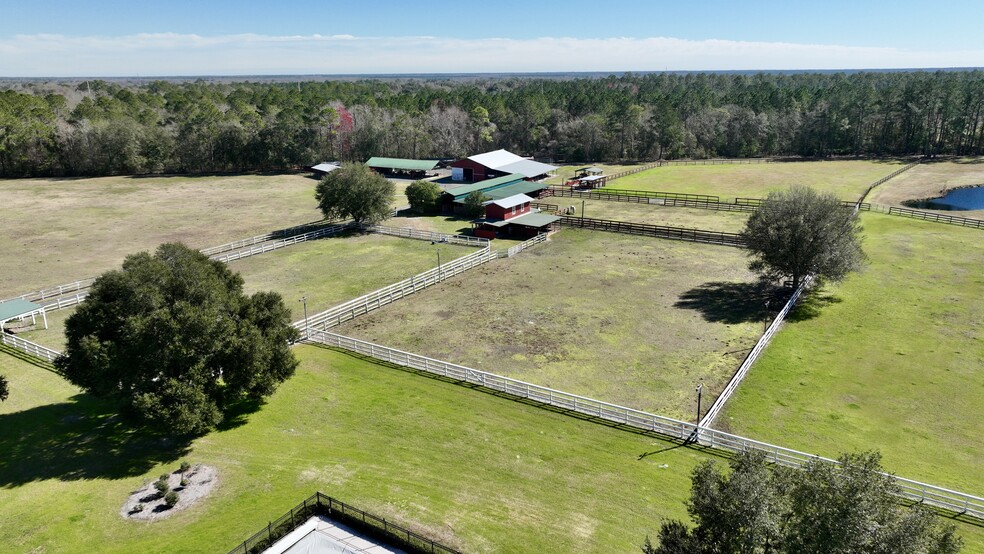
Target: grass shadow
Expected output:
[811,303]
[725,302]
[81,439]
[237,414]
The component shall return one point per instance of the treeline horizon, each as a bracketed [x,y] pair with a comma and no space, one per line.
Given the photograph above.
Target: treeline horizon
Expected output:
[97,128]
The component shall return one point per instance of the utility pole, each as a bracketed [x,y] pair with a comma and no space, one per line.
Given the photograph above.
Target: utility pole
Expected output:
[700,388]
[440,272]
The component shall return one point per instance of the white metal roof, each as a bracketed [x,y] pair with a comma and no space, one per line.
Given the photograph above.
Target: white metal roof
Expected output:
[503,160]
[510,201]
[326,167]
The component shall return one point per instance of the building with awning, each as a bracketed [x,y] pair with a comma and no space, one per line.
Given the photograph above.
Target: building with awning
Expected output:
[324,168]
[498,163]
[20,309]
[512,216]
[492,189]
[413,169]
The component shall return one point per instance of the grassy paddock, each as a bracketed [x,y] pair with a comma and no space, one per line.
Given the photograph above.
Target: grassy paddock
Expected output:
[482,473]
[631,320]
[890,360]
[932,180]
[690,218]
[59,230]
[566,172]
[845,179]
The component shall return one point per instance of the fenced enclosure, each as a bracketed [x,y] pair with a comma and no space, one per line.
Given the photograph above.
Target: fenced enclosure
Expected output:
[636,196]
[53,292]
[379,298]
[319,504]
[763,341]
[657,231]
[891,175]
[409,233]
[513,250]
[953,501]
[29,347]
[283,243]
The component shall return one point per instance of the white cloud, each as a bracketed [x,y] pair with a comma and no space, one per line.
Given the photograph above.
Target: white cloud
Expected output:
[252,54]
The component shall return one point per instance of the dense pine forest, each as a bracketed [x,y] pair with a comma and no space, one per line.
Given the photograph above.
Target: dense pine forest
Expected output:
[106,128]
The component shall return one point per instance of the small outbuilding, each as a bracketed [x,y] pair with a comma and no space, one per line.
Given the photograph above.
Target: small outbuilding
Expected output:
[401,167]
[324,168]
[20,309]
[500,187]
[512,216]
[589,178]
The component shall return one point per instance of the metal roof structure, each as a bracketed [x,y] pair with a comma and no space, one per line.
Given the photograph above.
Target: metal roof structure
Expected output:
[593,170]
[325,167]
[503,160]
[321,535]
[19,308]
[534,219]
[510,201]
[522,187]
[459,193]
[402,163]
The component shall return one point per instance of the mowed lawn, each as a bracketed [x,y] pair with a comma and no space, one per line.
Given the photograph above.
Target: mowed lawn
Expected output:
[844,179]
[892,359]
[58,230]
[932,180]
[327,271]
[471,469]
[631,320]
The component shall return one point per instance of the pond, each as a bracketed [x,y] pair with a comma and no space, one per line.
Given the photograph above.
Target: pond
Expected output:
[970,198]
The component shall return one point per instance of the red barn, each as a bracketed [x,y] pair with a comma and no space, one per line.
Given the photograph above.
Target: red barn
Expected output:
[496,164]
[513,216]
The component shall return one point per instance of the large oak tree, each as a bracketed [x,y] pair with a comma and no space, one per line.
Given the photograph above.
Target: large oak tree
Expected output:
[174,340]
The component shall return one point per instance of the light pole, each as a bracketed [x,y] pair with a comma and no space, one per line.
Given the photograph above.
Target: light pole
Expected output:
[582,213]
[439,270]
[700,388]
[304,300]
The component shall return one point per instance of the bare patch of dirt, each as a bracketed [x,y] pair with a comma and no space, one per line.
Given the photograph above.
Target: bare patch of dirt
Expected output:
[201,479]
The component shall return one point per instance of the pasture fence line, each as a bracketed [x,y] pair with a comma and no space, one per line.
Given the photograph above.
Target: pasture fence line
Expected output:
[721,161]
[553,208]
[272,235]
[639,169]
[65,301]
[282,243]
[43,294]
[636,196]
[888,177]
[407,232]
[936,217]
[513,250]
[915,491]
[29,347]
[657,231]
[319,504]
[752,356]
[391,293]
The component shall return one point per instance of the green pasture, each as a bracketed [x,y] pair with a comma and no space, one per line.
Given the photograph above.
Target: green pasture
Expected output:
[845,179]
[476,471]
[631,320]
[566,172]
[892,359]
[58,230]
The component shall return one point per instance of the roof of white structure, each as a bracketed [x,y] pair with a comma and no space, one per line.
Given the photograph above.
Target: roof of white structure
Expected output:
[321,535]
[503,160]
[510,201]
[325,166]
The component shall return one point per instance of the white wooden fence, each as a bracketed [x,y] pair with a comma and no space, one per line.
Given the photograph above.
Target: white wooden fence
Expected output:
[513,250]
[409,233]
[52,292]
[379,298]
[736,379]
[27,346]
[283,243]
[950,500]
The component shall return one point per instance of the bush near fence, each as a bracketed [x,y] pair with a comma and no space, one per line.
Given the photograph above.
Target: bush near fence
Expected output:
[952,501]
[319,504]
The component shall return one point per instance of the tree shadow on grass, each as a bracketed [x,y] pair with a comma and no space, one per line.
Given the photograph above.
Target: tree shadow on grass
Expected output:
[81,439]
[811,303]
[722,302]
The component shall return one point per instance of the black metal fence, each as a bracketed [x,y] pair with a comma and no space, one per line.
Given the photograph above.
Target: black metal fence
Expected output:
[545,207]
[938,218]
[637,196]
[658,231]
[756,202]
[320,504]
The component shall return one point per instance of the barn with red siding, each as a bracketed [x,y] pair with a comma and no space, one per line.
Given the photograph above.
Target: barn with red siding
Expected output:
[513,217]
[491,165]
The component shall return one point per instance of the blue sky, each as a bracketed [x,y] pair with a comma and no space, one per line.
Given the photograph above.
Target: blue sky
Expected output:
[178,37]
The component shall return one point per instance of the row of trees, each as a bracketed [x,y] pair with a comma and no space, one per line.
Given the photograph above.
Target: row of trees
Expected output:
[101,128]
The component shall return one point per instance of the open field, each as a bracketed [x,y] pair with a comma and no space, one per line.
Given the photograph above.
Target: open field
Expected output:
[328,271]
[845,179]
[891,360]
[479,472]
[59,230]
[333,270]
[690,218]
[932,180]
[450,225]
[631,320]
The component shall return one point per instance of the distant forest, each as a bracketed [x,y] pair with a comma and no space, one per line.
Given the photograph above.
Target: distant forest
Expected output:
[104,128]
